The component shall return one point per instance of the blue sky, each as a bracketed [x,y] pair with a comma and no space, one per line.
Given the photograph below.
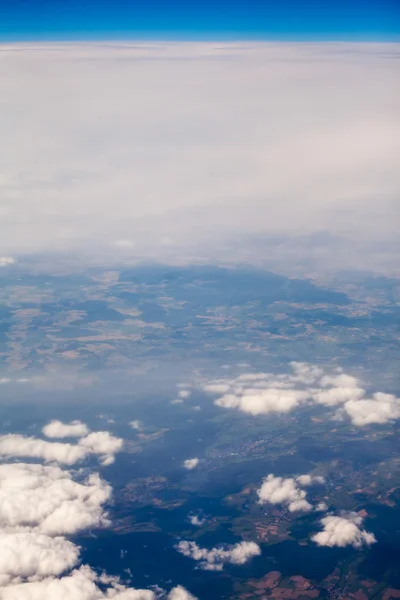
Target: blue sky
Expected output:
[194,19]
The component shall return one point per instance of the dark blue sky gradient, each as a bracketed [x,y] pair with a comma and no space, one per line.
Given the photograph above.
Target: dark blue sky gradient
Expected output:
[196,19]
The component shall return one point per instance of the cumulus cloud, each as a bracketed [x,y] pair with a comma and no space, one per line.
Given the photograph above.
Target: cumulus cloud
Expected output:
[214,559]
[15,445]
[257,402]
[39,506]
[99,442]
[196,520]
[343,531]
[191,463]
[25,555]
[102,443]
[382,408]
[265,393]
[286,491]
[81,584]
[47,499]
[179,593]
[57,429]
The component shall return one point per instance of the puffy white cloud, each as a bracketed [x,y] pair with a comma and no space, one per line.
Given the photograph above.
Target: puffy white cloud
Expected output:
[99,442]
[47,499]
[39,506]
[382,408]
[343,531]
[321,507]
[280,490]
[191,463]
[196,520]
[102,443]
[179,593]
[214,559]
[81,584]
[25,555]
[6,260]
[15,445]
[264,401]
[184,394]
[57,429]
[264,393]
[337,395]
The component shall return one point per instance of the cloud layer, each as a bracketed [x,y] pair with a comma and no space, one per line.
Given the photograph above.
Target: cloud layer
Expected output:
[101,153]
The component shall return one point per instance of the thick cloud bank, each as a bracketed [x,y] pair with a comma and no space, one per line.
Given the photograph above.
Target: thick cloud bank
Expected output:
[265,393]
[343,531]
[111,146]
[41,504]
[214,559]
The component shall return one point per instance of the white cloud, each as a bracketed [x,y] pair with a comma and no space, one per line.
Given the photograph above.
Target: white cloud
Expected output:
[191,463]
[6,260]
[57,429]
[48,500]
[265,393]
[31,555]
[237,162]
[321,507]
[257,402]
[135,425]
[214,559]
[306,480]
[280,490]
[99,442]
[382,408]
[179,593]
[337,395]
[81,584]
[102,443]
[343,531]
[184,394]
[15,445]
[196,520]
[39,506]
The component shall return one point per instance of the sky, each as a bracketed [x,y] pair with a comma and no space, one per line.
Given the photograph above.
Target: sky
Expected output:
[199,19]
[122,120]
